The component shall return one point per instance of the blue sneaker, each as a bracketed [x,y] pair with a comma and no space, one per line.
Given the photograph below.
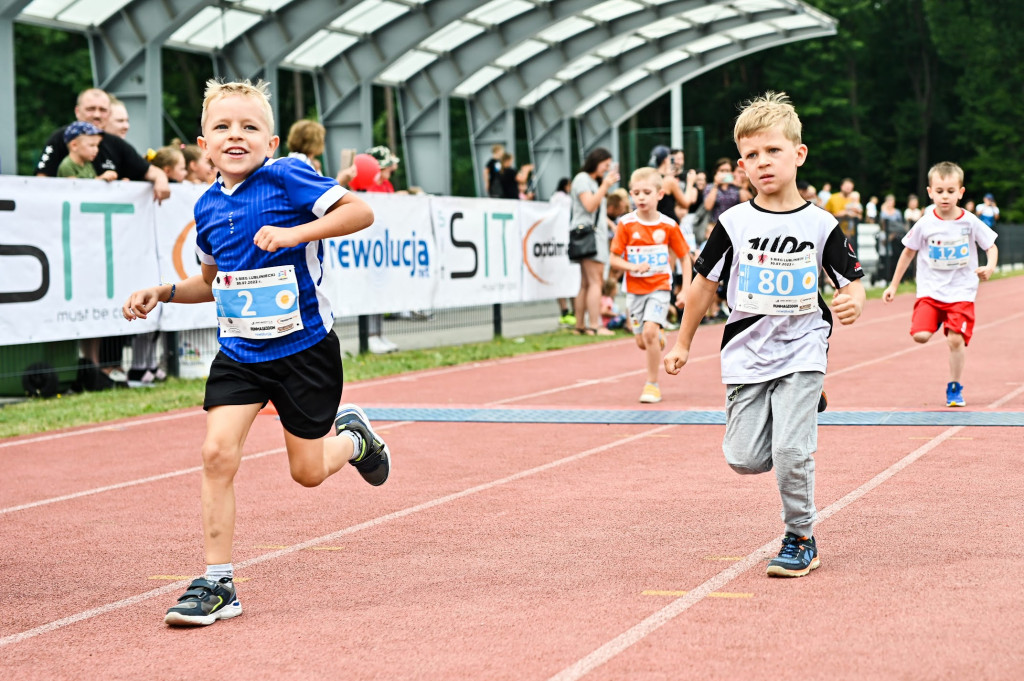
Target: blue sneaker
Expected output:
[204,603]
[374,461]
[799,555]
[955,395]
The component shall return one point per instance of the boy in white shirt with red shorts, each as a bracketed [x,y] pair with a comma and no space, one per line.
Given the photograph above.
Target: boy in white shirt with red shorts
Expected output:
[945,241]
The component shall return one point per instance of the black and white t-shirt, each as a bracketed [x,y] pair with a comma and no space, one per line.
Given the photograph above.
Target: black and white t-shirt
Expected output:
[114,154]
[774,260]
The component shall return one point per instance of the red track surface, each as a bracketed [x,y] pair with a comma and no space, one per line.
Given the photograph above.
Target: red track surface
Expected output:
[524,551]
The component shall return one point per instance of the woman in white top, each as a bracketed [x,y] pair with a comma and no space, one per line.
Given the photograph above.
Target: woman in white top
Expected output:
[589,189]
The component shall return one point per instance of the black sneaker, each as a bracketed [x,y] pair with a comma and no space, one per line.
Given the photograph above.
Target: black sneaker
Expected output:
[822,402]
[204,603]
[374,462]
[799,555]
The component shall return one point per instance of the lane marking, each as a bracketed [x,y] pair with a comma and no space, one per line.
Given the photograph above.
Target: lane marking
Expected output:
[716,594]
[176,578]
[641,630]
[352,529]
[730,558]
[97,429]
[128,483]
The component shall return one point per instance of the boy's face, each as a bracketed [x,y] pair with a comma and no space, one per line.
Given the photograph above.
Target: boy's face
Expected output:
[237,137]
[944,193]
[646,195]
[86,147]
[771,160]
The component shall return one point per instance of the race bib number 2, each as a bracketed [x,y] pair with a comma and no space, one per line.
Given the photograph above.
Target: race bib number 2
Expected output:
[777,283]
[257,303]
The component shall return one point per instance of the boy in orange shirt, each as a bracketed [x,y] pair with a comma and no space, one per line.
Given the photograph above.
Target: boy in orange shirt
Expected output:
[643,240]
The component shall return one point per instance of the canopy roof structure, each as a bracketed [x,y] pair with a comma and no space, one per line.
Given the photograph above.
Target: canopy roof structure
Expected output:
[586,63]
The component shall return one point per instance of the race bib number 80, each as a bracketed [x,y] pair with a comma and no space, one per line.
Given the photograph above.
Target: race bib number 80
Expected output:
[777,283]
[257,303]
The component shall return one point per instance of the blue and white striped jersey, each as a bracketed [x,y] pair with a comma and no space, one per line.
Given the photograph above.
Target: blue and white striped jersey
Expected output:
[283,193]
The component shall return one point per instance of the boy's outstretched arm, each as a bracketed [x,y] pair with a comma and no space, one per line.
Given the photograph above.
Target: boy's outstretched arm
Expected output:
[196,289]
[906,257]
[698,297]
[348,215]
[985,273]
[848,302]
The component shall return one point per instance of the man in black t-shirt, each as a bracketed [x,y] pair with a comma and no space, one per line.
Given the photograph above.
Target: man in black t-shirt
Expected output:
[115,153]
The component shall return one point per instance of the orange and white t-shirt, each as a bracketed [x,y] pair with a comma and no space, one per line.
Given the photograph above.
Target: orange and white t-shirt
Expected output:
[639,241]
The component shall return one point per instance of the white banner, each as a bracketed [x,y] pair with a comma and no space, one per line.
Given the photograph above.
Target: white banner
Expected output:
[176,251]
[547,272]
[390,266]
[479,248]
[71,252]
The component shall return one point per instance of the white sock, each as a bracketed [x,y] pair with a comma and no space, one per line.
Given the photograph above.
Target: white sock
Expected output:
[357,444]
[215,573]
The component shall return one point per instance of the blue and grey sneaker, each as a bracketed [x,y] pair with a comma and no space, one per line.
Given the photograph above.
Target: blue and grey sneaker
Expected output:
[204,603]
[955,395]
[374,462]
[799,555]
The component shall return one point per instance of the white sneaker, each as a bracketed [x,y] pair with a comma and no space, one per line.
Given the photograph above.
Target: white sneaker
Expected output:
[117,376]
[379,345]
[159,375]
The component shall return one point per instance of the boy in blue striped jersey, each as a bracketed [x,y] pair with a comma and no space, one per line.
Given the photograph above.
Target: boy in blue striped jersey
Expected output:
[258,238]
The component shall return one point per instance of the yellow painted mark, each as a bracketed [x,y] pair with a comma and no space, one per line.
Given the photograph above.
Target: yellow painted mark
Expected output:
[676,594]
[178,578]
[326,548]
[729,558]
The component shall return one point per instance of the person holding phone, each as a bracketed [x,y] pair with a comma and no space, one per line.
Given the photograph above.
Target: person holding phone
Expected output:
[719,196]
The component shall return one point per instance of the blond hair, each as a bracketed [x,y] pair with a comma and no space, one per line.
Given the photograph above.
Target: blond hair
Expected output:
[946,169]
[260,91]
[619,197]
[165,157]
[646,174]
[307,137]
[768,111]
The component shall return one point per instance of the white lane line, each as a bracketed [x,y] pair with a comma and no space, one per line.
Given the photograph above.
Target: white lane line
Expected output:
[638,632]
[108,426]
[128,483]
[380,520]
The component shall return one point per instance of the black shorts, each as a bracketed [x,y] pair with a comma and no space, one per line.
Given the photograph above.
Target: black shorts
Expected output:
[305,387]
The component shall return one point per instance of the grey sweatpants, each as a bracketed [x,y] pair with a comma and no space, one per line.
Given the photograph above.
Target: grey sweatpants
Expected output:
[775,425]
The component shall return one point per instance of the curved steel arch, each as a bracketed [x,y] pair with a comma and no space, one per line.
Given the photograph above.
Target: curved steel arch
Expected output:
[491,120]
[599,125]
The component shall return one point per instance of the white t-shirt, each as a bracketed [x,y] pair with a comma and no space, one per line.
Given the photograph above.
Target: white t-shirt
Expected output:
[947,255]
[761,347]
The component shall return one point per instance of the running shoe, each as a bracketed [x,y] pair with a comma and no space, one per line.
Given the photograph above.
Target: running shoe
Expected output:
[798,556]
[651,394]
[822,402]
[568,319]
[955,395]
[204,603]
[374,461]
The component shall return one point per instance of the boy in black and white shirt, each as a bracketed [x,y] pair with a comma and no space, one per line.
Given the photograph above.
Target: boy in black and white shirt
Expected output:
[775,342]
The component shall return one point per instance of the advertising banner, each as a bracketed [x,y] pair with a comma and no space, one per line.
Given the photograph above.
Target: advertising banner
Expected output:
[390,266]
[70,258]
[547,272]
[478,243]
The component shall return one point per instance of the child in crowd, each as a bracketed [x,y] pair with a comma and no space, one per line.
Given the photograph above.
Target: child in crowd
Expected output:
[945,242]
[776,338]
[610,315]
[641,247]
[83,140]
[169,159]
[285,353]
[198,169]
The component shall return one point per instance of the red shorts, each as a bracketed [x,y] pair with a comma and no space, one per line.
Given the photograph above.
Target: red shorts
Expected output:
[930,314]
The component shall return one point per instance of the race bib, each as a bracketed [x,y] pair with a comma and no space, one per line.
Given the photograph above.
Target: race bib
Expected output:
[777,283]
[655,256]
[949,254]
[257,303]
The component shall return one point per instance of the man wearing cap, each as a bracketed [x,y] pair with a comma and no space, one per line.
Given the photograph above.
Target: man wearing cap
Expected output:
[988,212]
[114,154]
[83,142]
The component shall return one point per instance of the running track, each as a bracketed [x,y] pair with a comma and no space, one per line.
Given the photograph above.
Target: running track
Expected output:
[545,550]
